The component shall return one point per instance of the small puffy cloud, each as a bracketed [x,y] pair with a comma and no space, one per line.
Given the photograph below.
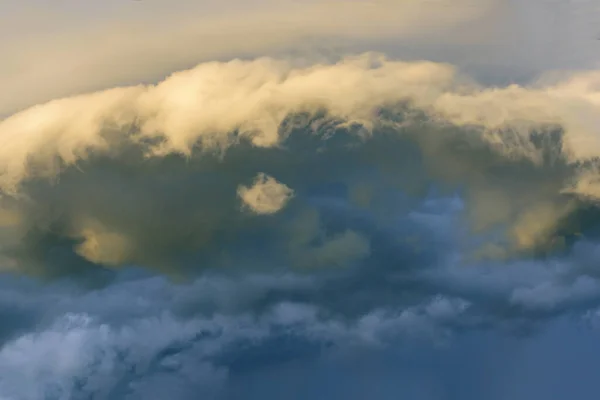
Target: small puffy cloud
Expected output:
[266,195]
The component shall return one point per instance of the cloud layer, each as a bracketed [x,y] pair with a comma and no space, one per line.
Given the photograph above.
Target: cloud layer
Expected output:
[307,214]
[161,175]
[50,55]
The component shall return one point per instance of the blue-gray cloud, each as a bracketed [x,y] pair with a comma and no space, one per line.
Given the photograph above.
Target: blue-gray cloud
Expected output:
[301,225]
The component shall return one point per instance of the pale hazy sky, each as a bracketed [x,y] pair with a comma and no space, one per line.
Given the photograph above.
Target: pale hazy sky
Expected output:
[54,49]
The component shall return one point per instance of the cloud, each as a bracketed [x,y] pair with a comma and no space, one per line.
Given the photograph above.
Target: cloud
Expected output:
[153,175]
[252,226]
[50,55]
[266,195]
[142,335]
[124,345]
[208,104]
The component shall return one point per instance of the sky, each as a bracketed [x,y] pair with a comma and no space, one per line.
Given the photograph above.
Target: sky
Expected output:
[299,199]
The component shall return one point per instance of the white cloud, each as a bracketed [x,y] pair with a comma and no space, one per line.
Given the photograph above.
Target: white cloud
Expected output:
[266,195]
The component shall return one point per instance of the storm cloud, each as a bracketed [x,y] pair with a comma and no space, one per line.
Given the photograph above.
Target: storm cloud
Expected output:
[259,202]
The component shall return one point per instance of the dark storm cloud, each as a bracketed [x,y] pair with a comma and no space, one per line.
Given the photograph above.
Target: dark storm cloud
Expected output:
[292,228]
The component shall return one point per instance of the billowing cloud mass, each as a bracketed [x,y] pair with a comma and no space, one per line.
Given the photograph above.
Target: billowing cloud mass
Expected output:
[141,175]
[219,220]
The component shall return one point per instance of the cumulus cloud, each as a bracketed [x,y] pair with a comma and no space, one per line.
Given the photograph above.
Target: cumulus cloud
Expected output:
[290,209]
[153,175]
[209,103]
[266,195]
[141,336]
[144,337]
